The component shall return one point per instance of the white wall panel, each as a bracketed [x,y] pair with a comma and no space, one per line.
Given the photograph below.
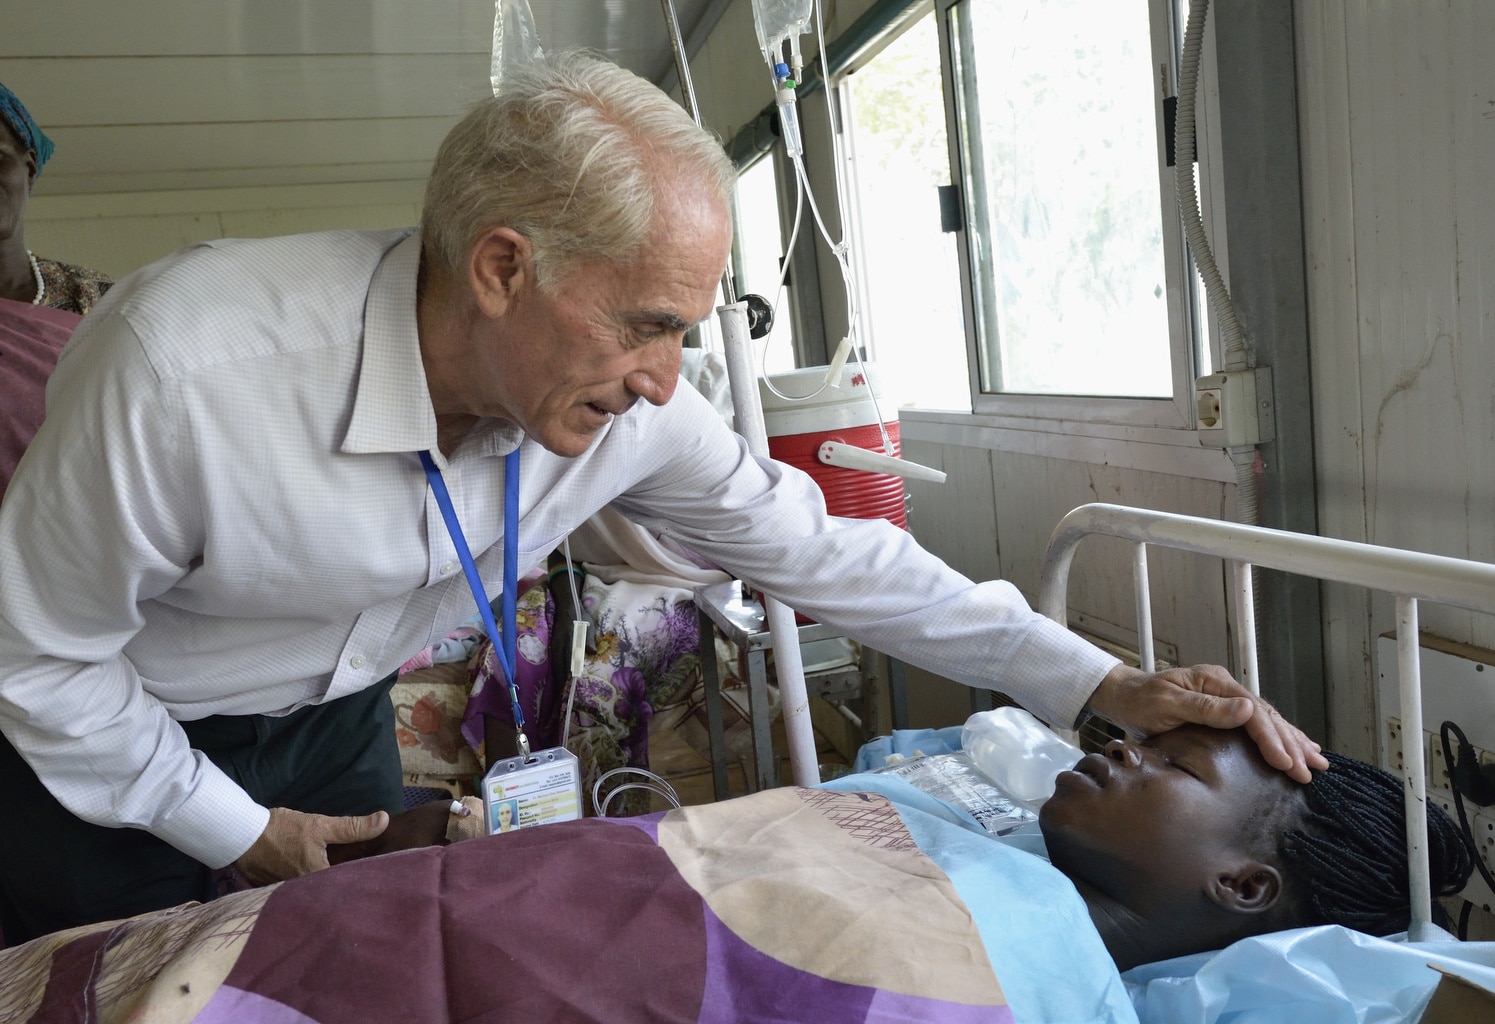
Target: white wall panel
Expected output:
[136,149]
[133,27]
[1398,107]
[127,91]
[117,233]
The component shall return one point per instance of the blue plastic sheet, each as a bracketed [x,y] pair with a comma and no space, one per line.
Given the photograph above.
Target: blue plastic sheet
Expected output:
[1327,975]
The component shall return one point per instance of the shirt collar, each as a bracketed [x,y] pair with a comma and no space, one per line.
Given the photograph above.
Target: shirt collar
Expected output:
[392,410]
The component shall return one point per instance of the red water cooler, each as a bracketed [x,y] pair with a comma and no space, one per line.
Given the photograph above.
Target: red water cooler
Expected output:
[831,433]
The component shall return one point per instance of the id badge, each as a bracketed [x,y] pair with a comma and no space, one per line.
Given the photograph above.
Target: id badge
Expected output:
[519,792]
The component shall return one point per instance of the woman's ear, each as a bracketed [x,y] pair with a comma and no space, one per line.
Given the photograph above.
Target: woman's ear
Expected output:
[1251,888]
[502,262]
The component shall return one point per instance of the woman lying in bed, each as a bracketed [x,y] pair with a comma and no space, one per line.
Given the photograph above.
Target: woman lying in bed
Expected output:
[814,905]
[1188,841]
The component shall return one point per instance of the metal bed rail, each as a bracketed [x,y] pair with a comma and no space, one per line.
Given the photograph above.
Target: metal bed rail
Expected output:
[1409,576]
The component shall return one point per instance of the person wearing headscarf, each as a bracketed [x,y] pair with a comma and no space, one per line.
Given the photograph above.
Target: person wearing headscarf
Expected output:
[24,276]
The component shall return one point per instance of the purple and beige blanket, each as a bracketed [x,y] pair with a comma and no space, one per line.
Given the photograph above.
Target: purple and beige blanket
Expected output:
[791,905]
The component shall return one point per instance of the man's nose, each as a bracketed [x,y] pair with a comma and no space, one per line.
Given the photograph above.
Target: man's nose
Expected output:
[655,378]
[1123,751]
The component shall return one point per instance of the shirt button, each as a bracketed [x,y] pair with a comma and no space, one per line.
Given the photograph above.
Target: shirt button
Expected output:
[356,661]
[447,567]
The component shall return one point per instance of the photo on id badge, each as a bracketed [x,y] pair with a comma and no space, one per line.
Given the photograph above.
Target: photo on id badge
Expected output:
[505,816]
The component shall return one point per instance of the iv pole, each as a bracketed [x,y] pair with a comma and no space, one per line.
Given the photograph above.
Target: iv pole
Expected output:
[747,406]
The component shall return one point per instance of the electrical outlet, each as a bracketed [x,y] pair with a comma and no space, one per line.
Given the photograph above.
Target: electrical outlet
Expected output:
[1482,824]
[1394,744]
[1438,774]
[1445,803]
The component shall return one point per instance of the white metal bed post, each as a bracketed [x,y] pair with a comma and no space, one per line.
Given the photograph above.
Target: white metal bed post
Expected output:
[789,669]
[1245,625]
[1410,576]
[1409,666]
[1140,587]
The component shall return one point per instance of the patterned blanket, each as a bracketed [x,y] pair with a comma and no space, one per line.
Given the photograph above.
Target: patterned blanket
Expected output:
[775,907]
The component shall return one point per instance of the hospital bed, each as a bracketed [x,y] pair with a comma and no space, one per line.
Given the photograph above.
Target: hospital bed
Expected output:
[864,900]
[1409,576]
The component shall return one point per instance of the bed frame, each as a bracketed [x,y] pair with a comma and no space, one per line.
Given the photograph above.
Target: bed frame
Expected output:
[1410,576]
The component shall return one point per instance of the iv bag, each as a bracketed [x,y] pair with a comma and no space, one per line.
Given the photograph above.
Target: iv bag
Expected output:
[515,40]
[778,20]
[1020,754]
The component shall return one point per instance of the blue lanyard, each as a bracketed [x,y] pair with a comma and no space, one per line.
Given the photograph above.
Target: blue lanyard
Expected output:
[505,640]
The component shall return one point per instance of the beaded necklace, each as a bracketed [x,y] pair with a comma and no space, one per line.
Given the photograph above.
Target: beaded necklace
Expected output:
[36,272]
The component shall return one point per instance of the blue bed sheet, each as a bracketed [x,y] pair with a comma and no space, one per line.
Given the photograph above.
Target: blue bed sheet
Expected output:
[1037,932]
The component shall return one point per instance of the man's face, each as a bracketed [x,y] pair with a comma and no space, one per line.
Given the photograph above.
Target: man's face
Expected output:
[1142,821]
[568,359]
[17,169]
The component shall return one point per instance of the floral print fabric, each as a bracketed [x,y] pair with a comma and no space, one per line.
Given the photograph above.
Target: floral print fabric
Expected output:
[646,658]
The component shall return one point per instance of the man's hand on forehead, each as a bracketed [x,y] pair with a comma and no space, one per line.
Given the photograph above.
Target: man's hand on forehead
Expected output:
[1204,695]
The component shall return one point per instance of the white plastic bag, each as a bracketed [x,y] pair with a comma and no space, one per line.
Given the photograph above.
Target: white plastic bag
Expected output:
[1018,752]
[956,780]
[515,39]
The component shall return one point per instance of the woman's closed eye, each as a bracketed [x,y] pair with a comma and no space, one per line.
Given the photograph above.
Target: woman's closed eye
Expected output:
[1173,762]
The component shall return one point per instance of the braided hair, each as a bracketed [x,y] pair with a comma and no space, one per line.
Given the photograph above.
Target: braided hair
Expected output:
[1348,854]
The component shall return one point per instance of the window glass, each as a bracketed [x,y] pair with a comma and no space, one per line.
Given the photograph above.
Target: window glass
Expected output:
[910,273]
[1056,106]
[758,247]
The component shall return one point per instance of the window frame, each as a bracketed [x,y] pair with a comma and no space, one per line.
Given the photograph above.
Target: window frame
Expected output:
[1152,419]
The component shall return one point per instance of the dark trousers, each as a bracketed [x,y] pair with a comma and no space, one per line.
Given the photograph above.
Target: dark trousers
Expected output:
[58,871]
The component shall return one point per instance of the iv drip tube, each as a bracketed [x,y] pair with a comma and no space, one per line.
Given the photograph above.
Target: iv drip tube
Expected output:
[789,668]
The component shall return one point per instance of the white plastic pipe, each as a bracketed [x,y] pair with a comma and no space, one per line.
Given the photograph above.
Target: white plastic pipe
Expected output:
[794,699]
[849,456]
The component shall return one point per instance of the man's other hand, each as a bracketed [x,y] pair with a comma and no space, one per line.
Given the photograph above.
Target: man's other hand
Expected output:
[295,843]
[1204,695]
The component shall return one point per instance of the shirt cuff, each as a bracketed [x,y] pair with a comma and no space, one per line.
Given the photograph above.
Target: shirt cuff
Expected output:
[1060,672]
[218,823]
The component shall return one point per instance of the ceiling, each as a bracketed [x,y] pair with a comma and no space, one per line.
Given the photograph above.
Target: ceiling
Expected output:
[157,95]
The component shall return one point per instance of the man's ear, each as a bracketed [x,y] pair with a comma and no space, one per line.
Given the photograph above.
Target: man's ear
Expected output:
[31,169]
[502,263]
[1250,888]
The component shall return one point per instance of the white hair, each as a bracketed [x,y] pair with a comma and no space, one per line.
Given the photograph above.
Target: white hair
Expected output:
[569,154]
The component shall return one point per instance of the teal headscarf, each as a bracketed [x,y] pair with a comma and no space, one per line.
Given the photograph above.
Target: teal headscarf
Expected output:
[25,129]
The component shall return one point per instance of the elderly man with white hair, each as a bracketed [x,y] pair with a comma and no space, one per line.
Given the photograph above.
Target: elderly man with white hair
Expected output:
[223,540]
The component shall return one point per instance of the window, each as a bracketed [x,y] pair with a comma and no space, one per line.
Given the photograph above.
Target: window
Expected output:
[1067,236]
[757,249]
[909,270]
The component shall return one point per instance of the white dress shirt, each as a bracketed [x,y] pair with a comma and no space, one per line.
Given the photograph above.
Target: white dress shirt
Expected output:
[224,513]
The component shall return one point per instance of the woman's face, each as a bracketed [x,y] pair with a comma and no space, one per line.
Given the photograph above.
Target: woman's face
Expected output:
[505,816]
[1144,821]
[17,170]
